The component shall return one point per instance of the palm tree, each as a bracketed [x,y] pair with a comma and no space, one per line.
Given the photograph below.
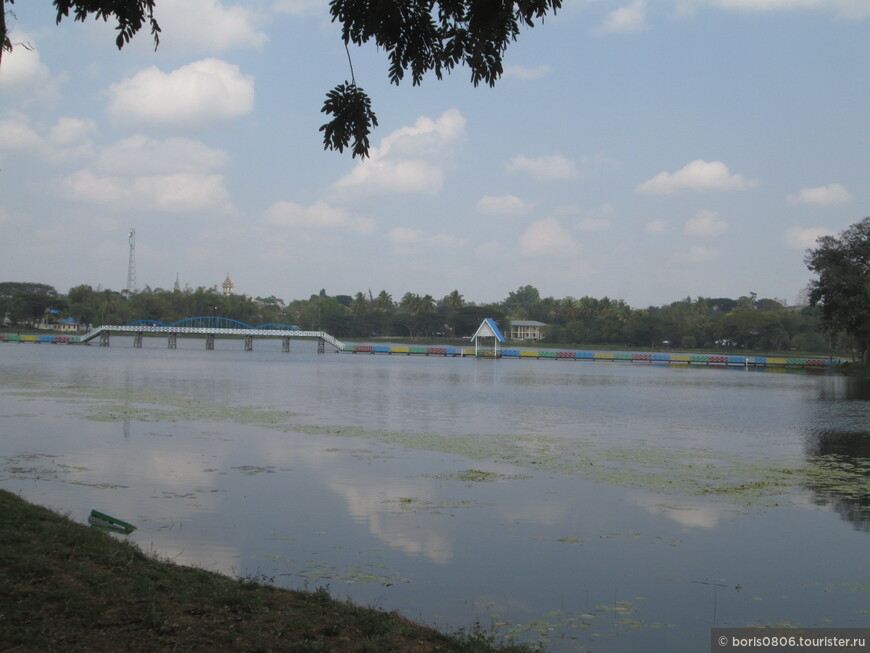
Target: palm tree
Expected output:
[384,301]
[107,305]
[454,301]
[359,305]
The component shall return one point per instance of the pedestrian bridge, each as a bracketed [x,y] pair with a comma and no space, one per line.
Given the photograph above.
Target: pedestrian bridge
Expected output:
[210,327]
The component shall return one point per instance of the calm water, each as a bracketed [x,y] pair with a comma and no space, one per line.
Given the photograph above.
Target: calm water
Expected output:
[593,506]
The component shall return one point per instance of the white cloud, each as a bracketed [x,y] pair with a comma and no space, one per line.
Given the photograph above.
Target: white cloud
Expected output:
[426,137]
[695,255]
[406,237]
[104,224]
[491,249]
[545,168]
[67,138]
[594,224]
[409,160]
[301,7]
[705,223]
[631,18]
[526,73]
[822,195]
[317,216]
[16,135]
[199,93]
[22,69]
[656,227]
[685,8]
[805,237]
[503,205]
[851,9]
[208,26]
[386,176]
[548,238]
[71,132]
[446,240]
[697,175]
[174,193]
[140,155]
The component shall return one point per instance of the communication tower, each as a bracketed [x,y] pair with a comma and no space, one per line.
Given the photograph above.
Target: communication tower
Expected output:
[131,265]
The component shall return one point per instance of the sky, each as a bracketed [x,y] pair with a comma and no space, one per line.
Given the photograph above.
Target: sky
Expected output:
[643,150]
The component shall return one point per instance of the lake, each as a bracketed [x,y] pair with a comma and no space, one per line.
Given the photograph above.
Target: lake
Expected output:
[612,507]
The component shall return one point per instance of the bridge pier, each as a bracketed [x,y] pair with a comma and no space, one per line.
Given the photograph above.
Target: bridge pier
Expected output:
[173,340]
[209,341]
[285,344]
[104,339]
[321,346]
[137,340]
[249,343]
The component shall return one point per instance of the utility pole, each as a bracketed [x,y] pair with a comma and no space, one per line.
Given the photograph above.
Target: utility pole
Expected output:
[131,266]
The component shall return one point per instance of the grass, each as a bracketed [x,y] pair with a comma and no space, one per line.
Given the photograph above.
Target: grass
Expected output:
[68,587]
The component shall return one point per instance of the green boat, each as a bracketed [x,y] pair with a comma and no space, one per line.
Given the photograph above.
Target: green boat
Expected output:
[109,523]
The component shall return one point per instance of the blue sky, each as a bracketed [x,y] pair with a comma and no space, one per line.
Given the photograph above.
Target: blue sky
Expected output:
[644,150]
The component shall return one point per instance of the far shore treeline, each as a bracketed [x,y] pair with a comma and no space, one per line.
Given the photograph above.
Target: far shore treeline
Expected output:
[835,318]
[746,322]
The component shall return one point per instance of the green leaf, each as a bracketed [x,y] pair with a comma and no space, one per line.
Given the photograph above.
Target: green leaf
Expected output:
[353,119]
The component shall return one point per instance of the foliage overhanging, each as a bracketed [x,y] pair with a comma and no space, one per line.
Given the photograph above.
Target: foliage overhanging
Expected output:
[419,36]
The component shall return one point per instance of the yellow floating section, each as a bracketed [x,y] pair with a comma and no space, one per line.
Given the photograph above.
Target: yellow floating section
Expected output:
[528,353]
[680,358]
[400,350]
[777,361]
[603,356]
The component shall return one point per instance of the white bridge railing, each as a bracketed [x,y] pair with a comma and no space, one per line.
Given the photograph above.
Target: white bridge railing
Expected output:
[207,331]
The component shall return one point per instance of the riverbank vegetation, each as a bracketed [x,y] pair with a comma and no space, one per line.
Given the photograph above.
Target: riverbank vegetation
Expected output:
[68,587]
[833,319]
[747,323]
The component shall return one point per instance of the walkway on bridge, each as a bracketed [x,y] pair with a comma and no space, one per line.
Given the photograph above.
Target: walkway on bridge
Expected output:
[210,327]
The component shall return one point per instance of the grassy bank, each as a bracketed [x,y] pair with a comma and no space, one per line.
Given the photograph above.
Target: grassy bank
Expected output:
[68,587]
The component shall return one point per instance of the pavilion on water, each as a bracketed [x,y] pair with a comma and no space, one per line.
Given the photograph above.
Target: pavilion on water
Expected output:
[487,339]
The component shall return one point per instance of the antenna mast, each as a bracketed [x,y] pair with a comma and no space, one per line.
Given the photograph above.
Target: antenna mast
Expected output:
[131,266]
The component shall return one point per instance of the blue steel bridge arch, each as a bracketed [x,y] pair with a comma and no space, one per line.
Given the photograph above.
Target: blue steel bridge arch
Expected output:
[278,327]
[214,322]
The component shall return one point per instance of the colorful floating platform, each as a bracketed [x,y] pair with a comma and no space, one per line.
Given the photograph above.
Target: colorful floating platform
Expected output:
[657,358]
[600,356]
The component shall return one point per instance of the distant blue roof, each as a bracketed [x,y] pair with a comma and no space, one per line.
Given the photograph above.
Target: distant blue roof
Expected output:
[488,329]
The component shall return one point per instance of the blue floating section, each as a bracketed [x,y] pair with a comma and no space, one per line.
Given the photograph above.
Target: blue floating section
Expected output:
[381,349]
[451,351]
[584,355]
[510,353]
[739,360]
[760,360]
[661,358]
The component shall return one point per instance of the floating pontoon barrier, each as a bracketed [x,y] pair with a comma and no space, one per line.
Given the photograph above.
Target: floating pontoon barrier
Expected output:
[660,358]
[649,358]
[14,337]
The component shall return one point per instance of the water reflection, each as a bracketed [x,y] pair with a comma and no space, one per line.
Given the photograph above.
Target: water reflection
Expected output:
[693,514]
[841,460]
[838,449]
[573,501]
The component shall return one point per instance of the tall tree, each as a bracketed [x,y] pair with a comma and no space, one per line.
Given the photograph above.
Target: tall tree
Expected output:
[384,301]
[418,37]
[842,289]
[454,301]
[27,302]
